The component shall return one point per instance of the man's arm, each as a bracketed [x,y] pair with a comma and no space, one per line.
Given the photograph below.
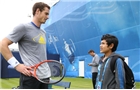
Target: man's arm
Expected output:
[120,74]
[95,62]
[7,54]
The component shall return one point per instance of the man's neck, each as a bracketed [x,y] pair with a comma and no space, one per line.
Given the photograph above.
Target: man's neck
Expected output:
[35,21]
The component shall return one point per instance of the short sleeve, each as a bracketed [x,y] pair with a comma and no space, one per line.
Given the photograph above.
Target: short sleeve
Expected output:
[17,33]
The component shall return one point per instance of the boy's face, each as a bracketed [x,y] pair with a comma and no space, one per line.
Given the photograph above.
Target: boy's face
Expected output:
[104,48]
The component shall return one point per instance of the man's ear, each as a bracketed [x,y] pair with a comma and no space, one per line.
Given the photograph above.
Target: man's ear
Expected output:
[37,11]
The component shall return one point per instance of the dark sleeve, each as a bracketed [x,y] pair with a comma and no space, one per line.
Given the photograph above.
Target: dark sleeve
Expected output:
[119,74]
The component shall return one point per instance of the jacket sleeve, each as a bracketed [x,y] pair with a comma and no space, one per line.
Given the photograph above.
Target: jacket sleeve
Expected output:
[119,74]
[95,61]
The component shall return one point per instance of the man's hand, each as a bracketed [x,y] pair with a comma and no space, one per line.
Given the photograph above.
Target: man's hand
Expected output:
[90,64]
[23,69]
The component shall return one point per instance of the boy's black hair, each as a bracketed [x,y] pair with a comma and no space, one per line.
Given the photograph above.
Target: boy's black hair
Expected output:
[111,39]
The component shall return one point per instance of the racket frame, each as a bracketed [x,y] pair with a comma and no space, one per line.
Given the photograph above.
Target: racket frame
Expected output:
[37,65]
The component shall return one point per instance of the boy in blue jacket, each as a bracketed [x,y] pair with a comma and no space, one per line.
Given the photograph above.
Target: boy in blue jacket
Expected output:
[108,79]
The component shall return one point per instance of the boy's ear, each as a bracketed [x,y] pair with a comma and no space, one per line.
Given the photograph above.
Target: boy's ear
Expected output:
[111,45]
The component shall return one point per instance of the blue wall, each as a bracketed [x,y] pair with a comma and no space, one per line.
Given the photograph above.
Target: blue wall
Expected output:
[75,27]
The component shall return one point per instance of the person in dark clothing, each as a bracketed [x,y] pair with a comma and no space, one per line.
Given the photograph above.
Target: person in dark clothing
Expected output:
[106,78]
[94,64]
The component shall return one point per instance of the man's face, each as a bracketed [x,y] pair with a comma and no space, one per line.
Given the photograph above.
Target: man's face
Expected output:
[104,48]
[92,54]
[44,15]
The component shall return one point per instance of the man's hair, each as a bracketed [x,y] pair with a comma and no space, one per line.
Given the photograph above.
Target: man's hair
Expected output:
[39,5]
[91,51]
[111,39]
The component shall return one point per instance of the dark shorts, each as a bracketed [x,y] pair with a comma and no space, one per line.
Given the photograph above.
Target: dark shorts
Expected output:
[27,82]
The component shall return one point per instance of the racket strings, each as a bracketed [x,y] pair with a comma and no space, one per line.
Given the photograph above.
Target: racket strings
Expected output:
[56,69]
[50,72]
[43,71]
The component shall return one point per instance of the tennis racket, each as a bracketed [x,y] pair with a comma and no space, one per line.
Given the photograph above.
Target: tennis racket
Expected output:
[48,71]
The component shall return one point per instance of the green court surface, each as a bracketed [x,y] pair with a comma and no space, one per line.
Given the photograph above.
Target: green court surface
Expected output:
[76,83]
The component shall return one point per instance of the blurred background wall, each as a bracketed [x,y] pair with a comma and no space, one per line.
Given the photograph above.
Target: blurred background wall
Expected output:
[76,26]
